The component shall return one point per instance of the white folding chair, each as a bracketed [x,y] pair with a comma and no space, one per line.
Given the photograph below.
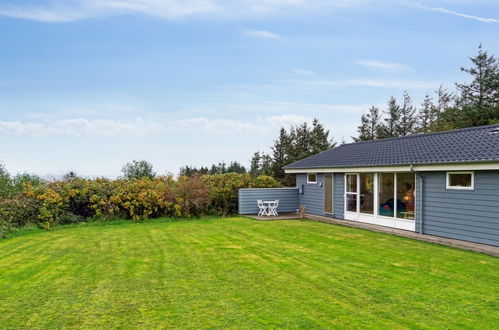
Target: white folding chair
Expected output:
[273,208]
[261,207]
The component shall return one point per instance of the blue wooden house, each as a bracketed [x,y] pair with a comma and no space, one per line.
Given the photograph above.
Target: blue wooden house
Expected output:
[444,184]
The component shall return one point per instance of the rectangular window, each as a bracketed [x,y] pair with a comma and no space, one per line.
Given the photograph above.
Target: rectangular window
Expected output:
[460,180]
[386,193]
[351,192]
[312,178]
[366,181]
[406,184]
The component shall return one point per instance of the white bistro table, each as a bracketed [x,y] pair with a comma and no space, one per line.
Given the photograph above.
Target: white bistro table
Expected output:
[271,207]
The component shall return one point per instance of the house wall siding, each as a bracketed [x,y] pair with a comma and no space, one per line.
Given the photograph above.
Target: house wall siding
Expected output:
[471,215]
[339,196]
[288,199]
[313,194]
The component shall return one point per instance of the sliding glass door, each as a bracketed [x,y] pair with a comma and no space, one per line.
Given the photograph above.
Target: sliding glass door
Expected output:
[359,193]
[386,199]
[366,189]
[405,195]
[396,195]
[386,191]
[351,192]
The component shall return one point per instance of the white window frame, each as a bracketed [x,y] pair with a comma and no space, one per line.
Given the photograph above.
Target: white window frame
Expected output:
[356,193]
[376,218]
[312,182]
[449,187]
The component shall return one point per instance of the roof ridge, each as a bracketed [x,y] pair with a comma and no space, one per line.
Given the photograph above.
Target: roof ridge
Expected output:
[422,134]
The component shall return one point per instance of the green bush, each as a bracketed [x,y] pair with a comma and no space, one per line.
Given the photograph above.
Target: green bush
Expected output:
[18,211]
[224,189]
[72,200]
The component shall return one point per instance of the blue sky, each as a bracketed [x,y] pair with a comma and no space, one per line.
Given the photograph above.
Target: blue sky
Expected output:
[87,85]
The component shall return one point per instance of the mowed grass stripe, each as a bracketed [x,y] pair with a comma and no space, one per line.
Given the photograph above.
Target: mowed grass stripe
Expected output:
[237,273]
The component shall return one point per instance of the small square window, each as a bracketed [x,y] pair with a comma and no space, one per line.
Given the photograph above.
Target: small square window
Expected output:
[312,178]
[460,180]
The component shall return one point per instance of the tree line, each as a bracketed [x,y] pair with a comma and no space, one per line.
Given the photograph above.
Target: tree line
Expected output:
[471,104]
[220,168]
[292,144]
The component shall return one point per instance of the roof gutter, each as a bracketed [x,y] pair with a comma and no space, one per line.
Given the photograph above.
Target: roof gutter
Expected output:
[420,200]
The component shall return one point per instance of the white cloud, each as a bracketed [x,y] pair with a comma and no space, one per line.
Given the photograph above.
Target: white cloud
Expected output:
[59,11]
[149,126]
[381,83]
[268,6]
[455,13]
[302,72]
[77,127]
[63,11]
[287,120]
[262,34]
[383,65]
[203,125]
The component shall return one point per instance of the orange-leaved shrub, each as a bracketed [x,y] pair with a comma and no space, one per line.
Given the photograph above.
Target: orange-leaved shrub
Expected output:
[79,199]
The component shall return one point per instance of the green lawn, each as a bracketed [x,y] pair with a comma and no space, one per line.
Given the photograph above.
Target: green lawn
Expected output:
[241,273]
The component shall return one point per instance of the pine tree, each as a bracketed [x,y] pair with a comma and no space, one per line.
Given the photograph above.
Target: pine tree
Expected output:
[255,164]
[479,99]
[319,138]
[370,125]
[266,165]
[281,154]
[294,144]
[406,123]
[426,115]
[302,142]
[446,114]
[390,126]
[220,168]
[235,167]
[444,99]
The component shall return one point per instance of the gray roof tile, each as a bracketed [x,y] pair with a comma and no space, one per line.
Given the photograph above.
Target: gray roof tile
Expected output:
[475,144]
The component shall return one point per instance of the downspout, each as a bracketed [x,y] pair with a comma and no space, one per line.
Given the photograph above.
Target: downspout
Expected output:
[421,199]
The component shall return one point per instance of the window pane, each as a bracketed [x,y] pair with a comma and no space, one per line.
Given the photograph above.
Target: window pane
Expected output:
[460,180]
[352,183]
[366,193]
[386,192]
[405,195]
[312,177]
[351,202]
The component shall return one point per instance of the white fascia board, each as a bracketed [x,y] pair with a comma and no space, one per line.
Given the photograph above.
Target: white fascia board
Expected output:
[404,168]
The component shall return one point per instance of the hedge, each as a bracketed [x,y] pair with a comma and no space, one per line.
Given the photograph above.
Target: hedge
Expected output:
[77,200]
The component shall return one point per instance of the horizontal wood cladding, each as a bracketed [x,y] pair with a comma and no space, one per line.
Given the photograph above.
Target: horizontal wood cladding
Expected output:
[313,194]
[288,199]
[471,215]
[339,197]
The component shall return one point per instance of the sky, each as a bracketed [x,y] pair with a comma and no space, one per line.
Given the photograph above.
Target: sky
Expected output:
[88,85]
